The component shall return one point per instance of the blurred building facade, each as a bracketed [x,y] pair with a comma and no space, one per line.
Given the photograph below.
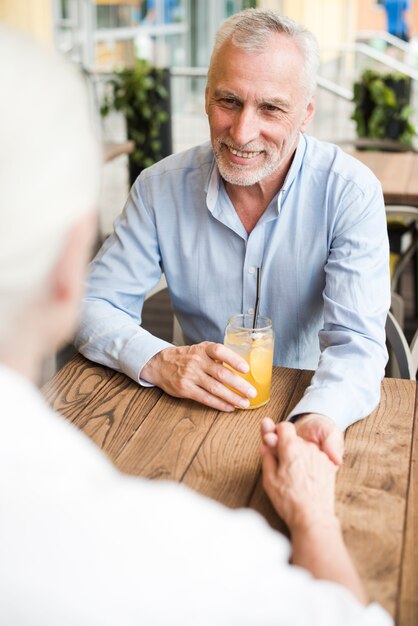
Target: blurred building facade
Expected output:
[102,33]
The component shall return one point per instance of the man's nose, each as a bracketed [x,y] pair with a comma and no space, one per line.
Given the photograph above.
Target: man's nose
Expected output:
[245,127]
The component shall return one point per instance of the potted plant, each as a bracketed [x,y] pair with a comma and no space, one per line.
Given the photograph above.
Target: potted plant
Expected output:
[382,109]
[142,94]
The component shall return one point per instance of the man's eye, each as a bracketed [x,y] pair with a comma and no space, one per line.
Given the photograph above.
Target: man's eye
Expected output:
[230,101]
[271,107]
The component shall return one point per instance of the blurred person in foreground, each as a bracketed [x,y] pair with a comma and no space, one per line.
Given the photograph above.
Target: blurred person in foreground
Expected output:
[80,543]
[261,194]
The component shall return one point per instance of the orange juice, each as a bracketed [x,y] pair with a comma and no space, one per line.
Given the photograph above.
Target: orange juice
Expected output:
[256,347]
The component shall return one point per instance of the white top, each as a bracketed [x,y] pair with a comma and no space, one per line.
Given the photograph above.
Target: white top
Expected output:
[82,544]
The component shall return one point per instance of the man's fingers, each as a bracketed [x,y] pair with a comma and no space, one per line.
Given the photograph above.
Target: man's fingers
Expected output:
[333,446]
[215,402]
[216,388]
[228,377]
[218,371]
[270,439]
[322,431]
[286,434]
[219,352]
[209,391]
[268,434]
[267,425]
[269,463]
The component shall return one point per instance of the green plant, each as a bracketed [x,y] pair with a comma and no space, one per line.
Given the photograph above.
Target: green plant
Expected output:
[382,108]
[141,93]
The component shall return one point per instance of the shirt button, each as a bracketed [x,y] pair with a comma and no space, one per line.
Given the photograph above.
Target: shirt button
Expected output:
[250,311]
[251,270]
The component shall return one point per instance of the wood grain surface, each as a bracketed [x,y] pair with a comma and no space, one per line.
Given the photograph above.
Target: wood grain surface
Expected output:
[397,172]
[407,611]
[147,433]
[372,490]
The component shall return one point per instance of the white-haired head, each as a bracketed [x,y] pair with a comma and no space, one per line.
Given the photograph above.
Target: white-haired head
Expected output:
[252,29]
[49,165]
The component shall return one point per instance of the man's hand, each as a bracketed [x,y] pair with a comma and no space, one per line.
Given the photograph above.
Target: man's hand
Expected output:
[198,372]
[299,479]
[323,431]
[318,429]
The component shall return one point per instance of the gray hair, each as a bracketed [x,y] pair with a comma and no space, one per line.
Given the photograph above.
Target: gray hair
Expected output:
[252,29]
[50,165]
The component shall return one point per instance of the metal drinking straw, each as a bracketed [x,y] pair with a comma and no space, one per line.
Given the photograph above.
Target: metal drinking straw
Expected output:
[257,297]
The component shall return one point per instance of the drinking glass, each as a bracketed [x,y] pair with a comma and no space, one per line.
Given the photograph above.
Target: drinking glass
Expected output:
[254,341]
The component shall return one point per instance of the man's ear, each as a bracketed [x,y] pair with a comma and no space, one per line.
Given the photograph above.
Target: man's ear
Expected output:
[69,269]
[65,284]
[310,110]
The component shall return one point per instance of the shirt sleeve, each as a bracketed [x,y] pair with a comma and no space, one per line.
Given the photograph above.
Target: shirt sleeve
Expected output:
[346,384]
[123,272]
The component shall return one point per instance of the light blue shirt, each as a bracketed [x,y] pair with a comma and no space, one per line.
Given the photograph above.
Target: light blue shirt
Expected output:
[321,243]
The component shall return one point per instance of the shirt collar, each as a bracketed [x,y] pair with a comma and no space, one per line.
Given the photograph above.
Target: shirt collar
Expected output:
[212,186]
[296,163]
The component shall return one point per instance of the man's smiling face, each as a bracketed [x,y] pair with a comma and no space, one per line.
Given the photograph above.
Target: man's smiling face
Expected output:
[256,105]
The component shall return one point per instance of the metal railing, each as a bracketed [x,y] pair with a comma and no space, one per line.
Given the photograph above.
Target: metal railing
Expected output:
[382,35]
[375,55]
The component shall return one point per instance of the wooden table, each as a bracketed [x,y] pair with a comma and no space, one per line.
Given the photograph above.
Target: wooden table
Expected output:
[147,433]
[397,172]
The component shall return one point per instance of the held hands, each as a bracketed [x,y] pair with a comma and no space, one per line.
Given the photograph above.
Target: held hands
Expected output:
[318,429]
[198,372]
[324,432]
[298,477]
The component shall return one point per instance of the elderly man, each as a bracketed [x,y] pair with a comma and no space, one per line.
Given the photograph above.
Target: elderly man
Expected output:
[262,195]
[80,543]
